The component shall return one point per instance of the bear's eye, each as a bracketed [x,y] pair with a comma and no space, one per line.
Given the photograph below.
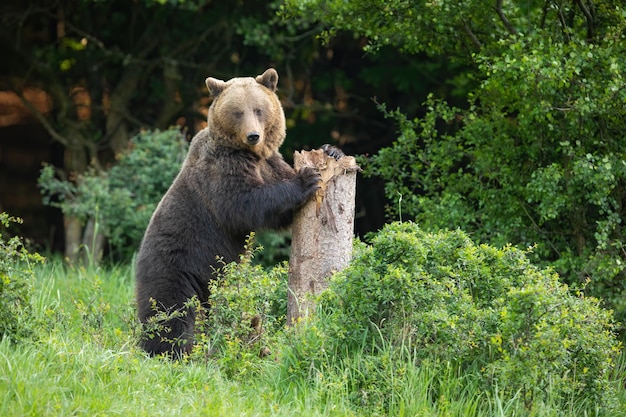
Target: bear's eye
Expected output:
[238,114]
[258,112]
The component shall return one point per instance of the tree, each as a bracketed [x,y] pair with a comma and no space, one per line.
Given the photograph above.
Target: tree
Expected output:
[536,156]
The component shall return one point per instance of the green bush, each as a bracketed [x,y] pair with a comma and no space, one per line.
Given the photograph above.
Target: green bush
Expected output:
[246,313]
[17,322]
[138,181]
[535,155]
[274,247]
[438,298]
[123,198]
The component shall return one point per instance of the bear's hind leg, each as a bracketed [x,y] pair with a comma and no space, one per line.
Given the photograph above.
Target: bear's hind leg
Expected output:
[172,335]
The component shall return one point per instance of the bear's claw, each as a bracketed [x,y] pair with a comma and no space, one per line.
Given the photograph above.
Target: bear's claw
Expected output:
[333,151]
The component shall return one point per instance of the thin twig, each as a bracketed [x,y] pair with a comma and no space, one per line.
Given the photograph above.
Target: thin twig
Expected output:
[536,226]
[42,119]
[563,24]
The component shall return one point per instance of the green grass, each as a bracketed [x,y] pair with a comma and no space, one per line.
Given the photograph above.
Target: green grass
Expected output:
[87,364]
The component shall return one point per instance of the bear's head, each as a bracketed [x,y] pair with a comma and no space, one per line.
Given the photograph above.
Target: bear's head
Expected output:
[246,113]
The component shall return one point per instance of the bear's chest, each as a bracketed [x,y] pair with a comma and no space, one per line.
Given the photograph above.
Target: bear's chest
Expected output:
[266,172]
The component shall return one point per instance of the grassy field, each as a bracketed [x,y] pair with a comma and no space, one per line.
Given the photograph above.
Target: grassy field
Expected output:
[87,364]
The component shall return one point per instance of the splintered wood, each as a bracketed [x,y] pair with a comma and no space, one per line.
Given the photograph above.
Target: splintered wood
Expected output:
[322,231]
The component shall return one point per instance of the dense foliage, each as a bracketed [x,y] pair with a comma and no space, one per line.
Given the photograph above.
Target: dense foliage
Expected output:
[458,29]
[123,198]
[438,299]
[17,321]
[536,156]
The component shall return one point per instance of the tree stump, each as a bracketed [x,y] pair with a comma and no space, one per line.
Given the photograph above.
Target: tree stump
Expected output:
[322,231]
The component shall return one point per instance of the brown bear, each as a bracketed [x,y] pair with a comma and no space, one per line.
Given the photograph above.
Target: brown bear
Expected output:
[233,181]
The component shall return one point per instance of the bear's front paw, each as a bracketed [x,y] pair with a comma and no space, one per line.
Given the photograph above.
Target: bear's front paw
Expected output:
[333,151]
[309,180]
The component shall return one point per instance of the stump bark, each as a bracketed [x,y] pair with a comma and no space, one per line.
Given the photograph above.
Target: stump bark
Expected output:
[322,231]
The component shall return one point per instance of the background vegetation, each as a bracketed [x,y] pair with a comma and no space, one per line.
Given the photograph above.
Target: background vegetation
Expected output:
[535,156]
[121,200]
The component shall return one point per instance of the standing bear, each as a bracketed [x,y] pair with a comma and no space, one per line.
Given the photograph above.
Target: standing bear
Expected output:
[232,182]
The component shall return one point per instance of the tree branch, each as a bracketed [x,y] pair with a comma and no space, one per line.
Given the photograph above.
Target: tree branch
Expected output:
[171,104]
[503,18]
[564,27]
[471,35]
[91,38]
[538,228]
[192,44]
[42,119]
[588,17]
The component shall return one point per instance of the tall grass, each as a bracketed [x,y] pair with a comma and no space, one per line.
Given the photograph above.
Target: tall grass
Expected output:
[85,363]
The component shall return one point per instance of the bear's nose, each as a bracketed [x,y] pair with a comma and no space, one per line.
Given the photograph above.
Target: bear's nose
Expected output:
[253,138]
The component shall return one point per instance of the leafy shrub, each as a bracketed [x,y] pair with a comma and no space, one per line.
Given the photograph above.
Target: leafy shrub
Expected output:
[535,157]
[138,181]
[124,197]
[438,298]
[16,285]
[246,311]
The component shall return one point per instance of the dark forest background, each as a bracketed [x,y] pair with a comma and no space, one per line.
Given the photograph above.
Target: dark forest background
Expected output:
[80,78]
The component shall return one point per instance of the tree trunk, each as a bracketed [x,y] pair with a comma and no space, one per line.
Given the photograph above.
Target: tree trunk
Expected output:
[116,128]
[73,231]
[322,231]
[93,242]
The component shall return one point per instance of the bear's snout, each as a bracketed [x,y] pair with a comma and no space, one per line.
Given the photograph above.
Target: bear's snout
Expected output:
[253,138]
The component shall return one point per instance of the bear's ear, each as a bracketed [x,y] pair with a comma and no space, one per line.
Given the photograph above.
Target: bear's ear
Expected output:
[215,86]
[269,79]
